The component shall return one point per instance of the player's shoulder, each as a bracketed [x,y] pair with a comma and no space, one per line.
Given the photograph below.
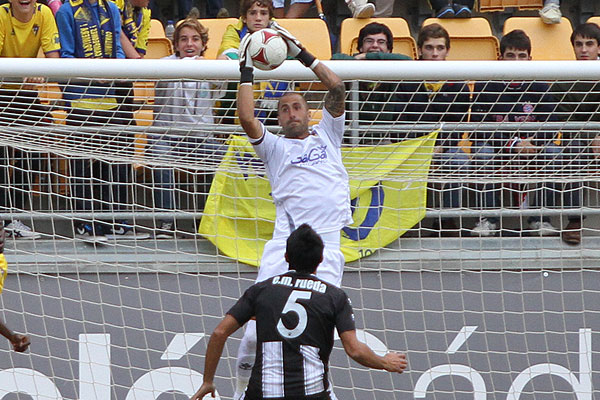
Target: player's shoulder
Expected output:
[266,135]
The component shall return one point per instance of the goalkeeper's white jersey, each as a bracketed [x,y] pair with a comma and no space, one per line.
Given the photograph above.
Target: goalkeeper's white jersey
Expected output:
[309,182]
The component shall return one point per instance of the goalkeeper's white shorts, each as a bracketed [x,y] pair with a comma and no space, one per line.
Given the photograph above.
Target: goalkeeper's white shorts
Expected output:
[330,270]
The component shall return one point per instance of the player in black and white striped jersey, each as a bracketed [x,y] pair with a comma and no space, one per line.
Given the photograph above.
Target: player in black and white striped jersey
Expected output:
[296,314]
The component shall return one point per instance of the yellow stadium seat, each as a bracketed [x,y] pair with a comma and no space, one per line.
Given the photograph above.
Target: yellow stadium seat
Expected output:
[474,48]
[216,28]
[548,42]
[158,48]
[315,116]
[312,33]
[143,117]
[59,116]
[157,30]
[594,20]
[49,93]
[143,92]
[499,5]
[470,38]
[403,41]
[463,27]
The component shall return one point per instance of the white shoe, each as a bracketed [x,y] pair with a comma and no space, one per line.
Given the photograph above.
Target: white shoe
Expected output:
[90,233]
[166,231]
[122,230]
[543,228]
[551,14]
[19,230]
[484,228]
[360,8]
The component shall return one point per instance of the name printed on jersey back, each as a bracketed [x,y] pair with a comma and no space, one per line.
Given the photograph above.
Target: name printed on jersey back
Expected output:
[307,284]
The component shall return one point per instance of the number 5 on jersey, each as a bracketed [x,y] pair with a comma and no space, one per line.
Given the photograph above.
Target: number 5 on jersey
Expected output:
[292,306]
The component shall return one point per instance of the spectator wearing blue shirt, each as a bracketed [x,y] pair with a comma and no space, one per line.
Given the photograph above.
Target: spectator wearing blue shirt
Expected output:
[92,29]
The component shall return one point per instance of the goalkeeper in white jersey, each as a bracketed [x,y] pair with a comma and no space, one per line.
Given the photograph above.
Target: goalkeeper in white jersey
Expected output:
[308,179]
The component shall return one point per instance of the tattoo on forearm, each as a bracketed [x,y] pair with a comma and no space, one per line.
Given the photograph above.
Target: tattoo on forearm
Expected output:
[335,98]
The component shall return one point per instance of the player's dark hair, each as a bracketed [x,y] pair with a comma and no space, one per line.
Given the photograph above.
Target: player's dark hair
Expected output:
[516,39]
[194,24]
[246,4]
[433,31]
[304,249]
[586,31]
[373,29]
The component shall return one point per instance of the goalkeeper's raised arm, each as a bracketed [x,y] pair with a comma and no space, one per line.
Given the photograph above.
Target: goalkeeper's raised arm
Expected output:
[334,100]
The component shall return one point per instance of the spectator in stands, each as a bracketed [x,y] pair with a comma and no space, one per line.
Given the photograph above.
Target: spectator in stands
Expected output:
[186,105]
[452,8]
[550,13]
[96,104]
[377,100]
[24,29]
[297,9]
[499,101]
[135,31]
[440,101]
[135,27]
[579,101]
[164,10]
[54,5]
[255,15]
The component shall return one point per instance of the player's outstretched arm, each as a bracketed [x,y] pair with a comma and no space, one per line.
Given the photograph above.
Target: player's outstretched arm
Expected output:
[362,354]
[334,101]
[213,354]
[335,98]
[245,98]
[19,343]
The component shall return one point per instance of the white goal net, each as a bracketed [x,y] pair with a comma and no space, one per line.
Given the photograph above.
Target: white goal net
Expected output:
[138,212]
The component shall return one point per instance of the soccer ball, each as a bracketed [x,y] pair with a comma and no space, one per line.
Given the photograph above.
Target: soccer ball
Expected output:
[267,49]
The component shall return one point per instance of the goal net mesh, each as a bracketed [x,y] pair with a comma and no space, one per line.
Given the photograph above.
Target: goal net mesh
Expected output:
[460,191]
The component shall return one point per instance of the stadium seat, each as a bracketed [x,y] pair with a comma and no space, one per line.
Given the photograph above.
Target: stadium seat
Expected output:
[463,27]
[548,42]
[403,41]
[49,93]
[158,48]
[315,116]
[157,30]
[499,5]
[312,33]
[143,117]
[594,20]
[470,38]
[216,28]
[143,92]
[59,116]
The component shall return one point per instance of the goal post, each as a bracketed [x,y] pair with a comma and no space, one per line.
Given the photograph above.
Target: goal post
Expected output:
[510,316]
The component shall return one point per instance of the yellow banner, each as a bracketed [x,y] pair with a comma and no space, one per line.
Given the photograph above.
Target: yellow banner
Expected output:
[388,188]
